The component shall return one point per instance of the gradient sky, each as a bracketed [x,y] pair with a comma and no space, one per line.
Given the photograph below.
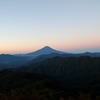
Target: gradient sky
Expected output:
[67,25]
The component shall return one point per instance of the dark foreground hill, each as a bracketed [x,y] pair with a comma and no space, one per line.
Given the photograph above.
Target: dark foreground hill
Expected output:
[16,85]
[79,72]
[64,55]
[58,78]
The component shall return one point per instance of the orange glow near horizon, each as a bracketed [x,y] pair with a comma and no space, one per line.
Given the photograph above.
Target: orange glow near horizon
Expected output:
[57,41]
[67,26]
[74,45]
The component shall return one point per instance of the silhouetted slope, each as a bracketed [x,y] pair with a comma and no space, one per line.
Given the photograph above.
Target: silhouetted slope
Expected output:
[45,50]
[53,79]
[72,71]
[27,83]
[15,79]
[51,55]
[48,50]
[41,58]
[11,61]
[42,51]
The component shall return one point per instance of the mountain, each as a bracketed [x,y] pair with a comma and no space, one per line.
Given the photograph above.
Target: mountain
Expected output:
[47,51]
[42,51]
[42,58]
[51,55]
[16,85]
[79,72]
[54,78]
[91,54]
[11,61]
[25,84]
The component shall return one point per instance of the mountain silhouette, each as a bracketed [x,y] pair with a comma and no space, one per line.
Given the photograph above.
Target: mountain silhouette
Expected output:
[48,50]
[12,61]
[44,50]
[70,71]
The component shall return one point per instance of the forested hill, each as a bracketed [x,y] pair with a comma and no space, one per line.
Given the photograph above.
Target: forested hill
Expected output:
[53,79]
[72,71]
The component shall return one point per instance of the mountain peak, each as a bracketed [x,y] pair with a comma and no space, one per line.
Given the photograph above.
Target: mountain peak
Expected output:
[46,47]
[45,50]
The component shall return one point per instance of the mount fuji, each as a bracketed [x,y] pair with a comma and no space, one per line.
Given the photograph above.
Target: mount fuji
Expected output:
[43,51]
[48,51]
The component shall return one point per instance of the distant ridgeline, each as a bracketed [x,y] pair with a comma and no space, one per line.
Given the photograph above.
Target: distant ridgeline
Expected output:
[18,60]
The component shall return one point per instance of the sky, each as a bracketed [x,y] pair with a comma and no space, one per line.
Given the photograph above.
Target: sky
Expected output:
[66,25]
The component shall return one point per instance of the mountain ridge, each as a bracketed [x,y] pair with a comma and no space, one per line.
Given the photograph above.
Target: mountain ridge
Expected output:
[43,51]
[74,71]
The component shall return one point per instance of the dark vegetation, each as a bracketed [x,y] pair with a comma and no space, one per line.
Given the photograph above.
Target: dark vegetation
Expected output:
[57,78]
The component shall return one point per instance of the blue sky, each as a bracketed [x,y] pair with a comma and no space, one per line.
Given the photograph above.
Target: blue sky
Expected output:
[68,25]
